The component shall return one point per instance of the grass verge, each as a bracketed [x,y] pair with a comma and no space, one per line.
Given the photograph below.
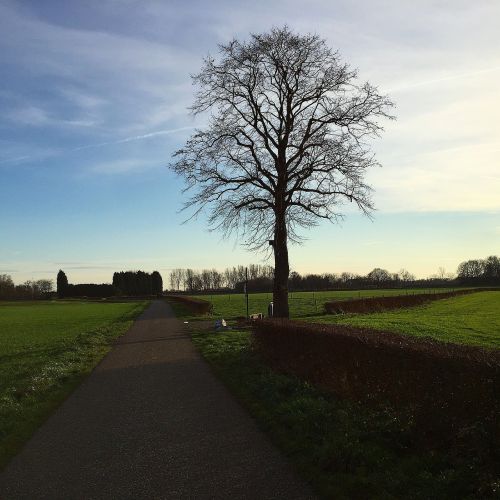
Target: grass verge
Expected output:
[46,349]
[342,448]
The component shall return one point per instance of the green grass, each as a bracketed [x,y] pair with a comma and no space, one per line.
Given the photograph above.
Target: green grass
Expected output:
[343,449]
[302,304]
[470,319]
[45,350]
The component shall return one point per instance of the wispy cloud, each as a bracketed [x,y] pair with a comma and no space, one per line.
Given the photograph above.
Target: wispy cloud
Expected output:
[135,138]
[61,152]
[434,81]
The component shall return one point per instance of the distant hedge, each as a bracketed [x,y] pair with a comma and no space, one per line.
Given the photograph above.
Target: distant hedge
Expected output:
[376,304]
[196,306]
[451,392]
[89,290]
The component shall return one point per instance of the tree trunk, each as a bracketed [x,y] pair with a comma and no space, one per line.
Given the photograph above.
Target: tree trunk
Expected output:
[281,268]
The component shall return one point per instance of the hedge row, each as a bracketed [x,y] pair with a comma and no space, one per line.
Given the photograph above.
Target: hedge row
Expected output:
[452,392]
[89,290]
[195,305]
[376,304]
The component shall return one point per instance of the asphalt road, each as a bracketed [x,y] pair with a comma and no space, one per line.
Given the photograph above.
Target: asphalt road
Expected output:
[151,421]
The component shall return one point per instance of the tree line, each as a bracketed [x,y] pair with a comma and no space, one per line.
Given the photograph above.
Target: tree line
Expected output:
[125,283]
[29,290]
[260,278]
[480,271]
[94,290]
[191,280]
[138,283]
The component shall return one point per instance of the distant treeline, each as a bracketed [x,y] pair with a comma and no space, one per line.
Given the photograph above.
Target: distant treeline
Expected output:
[211,279]
[480,271]
[125,283]
[29,290]
[475,272]
[260,278]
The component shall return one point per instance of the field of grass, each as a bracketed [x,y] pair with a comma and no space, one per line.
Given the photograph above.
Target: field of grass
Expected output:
[45,350]
[302,304]
[470,319]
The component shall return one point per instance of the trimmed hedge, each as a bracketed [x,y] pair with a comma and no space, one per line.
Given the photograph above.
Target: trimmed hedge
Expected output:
[195,305]
[377,304]
[89,290]
[451,392]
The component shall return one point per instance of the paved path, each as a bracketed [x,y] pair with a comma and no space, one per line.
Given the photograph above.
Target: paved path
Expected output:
[151,421]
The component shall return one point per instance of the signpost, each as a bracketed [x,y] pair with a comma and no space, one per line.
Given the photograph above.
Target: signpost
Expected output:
[246,289]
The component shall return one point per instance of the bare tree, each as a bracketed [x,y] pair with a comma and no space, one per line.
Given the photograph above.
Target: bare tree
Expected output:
[189,280]
[405,276]
[206,279]
[379,276]
[217,279]
[7,286]
[44,287]
[441,274]
[285,143]
[173,279]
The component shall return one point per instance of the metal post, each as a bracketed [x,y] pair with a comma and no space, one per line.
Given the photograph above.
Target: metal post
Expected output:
[246,289]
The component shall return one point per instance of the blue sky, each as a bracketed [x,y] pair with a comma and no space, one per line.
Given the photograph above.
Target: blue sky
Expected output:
[94,95]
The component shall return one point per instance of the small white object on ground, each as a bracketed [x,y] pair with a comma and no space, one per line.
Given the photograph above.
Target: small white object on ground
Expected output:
[220,323]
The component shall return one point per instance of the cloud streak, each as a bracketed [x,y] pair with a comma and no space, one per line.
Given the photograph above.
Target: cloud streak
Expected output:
[433,81]
[140,137]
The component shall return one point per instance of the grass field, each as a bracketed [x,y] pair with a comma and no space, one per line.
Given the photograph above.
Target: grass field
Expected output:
[470,319]
[45,350]
[302,304]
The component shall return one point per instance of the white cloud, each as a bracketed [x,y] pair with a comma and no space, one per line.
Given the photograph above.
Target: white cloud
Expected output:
[131,82]
[103,85]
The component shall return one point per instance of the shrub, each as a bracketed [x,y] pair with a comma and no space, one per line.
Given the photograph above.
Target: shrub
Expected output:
[450,392]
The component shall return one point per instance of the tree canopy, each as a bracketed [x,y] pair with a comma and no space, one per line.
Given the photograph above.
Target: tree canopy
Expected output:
[286,142]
